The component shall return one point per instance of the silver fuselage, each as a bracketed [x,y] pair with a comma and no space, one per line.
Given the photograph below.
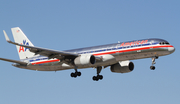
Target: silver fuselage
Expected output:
[110,54]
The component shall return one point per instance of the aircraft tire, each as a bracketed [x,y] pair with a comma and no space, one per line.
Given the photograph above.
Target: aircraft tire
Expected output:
[95,78]
[100,77]
[152,67]
[78,73]
[73,75]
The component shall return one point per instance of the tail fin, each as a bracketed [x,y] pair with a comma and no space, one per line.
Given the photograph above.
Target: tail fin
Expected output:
[20,37]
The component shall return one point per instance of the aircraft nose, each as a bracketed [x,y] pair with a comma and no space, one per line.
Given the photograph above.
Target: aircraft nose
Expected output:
[171,49]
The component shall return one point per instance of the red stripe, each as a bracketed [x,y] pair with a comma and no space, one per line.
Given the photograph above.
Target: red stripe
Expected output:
[47,61]
[136,49]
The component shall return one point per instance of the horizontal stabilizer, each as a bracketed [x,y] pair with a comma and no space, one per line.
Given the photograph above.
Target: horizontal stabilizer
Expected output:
[14,61]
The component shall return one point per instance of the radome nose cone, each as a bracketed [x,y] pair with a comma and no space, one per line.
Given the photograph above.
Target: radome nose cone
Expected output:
[171,49]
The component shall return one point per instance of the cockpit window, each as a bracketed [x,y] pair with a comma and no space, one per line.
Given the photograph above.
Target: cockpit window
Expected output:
[164,43]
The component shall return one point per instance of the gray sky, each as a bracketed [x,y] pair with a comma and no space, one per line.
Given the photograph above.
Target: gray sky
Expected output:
[70,24]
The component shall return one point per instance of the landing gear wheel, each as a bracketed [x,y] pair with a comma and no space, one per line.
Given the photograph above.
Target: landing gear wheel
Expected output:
[152,67]
[95,78]
[73,75]
[78,73]
[98,77]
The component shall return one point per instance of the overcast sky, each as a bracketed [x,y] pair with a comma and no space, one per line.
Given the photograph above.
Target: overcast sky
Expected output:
[69,24]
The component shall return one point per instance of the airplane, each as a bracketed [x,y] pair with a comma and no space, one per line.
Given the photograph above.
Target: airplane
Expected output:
[116,55]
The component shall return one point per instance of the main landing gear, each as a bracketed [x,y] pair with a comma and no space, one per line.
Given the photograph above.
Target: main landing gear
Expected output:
[95,78]
[152,67]
[98,77]
[76,73]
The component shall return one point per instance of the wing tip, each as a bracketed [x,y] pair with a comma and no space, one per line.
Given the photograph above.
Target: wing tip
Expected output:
[6,36]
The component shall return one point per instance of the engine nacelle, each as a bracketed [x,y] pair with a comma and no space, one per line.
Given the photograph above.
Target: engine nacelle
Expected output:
[85,60]
[122,67]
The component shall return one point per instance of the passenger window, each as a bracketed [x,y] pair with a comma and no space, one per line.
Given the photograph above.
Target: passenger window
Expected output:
[31,60]
[37,59]
[108,49]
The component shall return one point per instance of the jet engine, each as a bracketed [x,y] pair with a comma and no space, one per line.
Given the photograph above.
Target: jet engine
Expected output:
[85,60]
[122,67]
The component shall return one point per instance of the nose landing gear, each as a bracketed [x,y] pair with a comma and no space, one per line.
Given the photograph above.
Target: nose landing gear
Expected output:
[152,67]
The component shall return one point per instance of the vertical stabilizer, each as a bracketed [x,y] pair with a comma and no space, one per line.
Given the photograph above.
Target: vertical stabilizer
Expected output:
[20,37]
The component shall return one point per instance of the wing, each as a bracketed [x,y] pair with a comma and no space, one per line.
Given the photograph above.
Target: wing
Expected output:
[45,52]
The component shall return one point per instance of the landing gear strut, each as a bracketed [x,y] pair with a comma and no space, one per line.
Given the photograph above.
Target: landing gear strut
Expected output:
[152,67]
[76,73]
[96,78]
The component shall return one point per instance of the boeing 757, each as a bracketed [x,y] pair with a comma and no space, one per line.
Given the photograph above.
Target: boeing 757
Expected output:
[116,55]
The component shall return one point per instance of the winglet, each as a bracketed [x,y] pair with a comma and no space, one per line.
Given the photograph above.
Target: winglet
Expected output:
[6,36]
